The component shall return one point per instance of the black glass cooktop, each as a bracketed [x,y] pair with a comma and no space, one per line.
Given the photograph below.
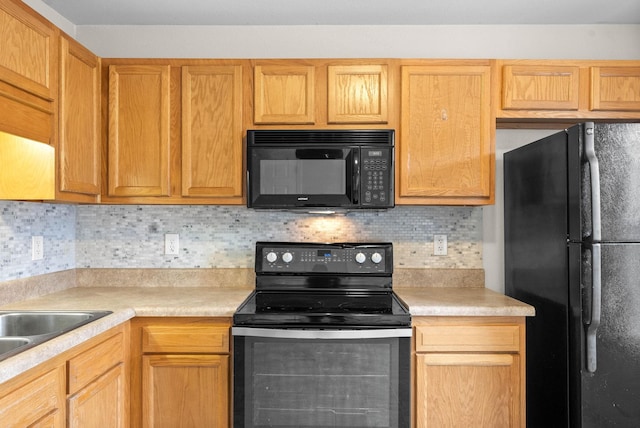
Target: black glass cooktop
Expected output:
[330,308]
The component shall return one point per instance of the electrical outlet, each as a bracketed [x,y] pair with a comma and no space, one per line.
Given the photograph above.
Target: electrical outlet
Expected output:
[37,247]
[172,244]
[439,245]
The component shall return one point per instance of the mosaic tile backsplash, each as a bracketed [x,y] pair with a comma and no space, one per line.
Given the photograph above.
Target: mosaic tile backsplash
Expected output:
[19,221]
[119,236]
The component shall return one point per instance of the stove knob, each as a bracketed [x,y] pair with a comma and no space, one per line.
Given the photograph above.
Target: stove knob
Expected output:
[287,257]
[376,258]
[272,257]
[361,258]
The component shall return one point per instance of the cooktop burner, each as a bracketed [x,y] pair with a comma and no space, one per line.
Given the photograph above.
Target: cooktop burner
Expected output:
[323,285]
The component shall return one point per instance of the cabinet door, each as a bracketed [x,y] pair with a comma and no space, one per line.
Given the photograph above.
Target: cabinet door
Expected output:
[357,94]
[79,118]
[540,87]
[101,403]
[212,164]
[139,126]
[615,88]
[181,391]
[284,94]
[29,54]
[39,403]
[467,390]
[446,148]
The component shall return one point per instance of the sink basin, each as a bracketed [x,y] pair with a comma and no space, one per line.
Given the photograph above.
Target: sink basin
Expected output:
[21,330]
[37,323]
[9,344]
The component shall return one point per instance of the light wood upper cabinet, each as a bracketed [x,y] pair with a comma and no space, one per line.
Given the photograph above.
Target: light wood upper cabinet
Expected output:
[445,154]
[284,94]
[139,130]
[29,54]
[469,372]
[615,88]
[79,122]
[357,94]
[324,93]
[28,73]
[540,87]
[567,91]
[212,163]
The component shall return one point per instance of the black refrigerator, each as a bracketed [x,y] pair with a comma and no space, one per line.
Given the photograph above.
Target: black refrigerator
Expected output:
[572,250]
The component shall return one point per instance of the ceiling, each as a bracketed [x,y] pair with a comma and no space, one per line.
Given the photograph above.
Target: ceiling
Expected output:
[347,12]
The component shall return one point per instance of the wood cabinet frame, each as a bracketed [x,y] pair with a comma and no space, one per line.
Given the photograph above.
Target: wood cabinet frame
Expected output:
[451,352]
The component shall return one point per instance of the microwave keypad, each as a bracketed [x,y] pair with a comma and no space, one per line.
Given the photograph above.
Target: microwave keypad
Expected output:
[376,180]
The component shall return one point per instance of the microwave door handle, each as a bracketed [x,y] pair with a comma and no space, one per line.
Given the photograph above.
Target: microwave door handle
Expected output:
[356,177]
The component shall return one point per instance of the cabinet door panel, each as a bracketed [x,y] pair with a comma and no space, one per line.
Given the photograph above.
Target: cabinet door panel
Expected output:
[39,403]
[83,368]
[615,88]
[79,132]
[474,390]
[180,391]
[212,131]
[445,148]
[284,94]
[28,58]
[101,403]
[540,87]
[357,94]
[139,126]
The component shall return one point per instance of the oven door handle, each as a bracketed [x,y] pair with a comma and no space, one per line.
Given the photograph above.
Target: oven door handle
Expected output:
[321,334]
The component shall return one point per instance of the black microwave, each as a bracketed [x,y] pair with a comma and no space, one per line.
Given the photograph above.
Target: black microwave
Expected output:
[320,169]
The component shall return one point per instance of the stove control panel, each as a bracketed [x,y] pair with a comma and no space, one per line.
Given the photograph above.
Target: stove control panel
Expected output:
[324,258]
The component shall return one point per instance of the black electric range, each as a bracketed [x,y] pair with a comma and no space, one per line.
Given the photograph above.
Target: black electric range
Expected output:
[314,285]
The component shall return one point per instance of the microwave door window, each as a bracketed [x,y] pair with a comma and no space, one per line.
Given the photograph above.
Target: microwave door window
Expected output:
[303,177]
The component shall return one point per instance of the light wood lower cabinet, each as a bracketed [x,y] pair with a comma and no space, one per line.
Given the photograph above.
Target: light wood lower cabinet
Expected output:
[97,385]
[185,390]
[180,372]
[39,402]
[92,378]
[469,372]
[101,403]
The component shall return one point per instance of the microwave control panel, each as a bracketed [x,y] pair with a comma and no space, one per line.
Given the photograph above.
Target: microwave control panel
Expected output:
[377,173]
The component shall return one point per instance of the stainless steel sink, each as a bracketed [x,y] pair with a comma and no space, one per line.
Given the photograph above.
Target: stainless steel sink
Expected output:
[21,330]
[8,344]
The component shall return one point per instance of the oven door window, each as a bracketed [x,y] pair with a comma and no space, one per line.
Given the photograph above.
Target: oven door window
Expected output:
[322,383]
[302,177]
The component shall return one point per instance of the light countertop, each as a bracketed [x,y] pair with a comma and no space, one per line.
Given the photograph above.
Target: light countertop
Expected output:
[448,301]
[129,302]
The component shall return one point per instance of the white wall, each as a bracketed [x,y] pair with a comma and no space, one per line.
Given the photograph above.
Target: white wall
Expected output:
[507,41]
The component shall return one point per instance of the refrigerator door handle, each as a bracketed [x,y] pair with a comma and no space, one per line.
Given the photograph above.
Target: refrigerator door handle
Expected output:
[594,173]
[596,307]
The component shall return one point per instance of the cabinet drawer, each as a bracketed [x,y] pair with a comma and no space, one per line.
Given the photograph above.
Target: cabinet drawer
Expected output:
[95,362]
[468,338]
[185,339]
